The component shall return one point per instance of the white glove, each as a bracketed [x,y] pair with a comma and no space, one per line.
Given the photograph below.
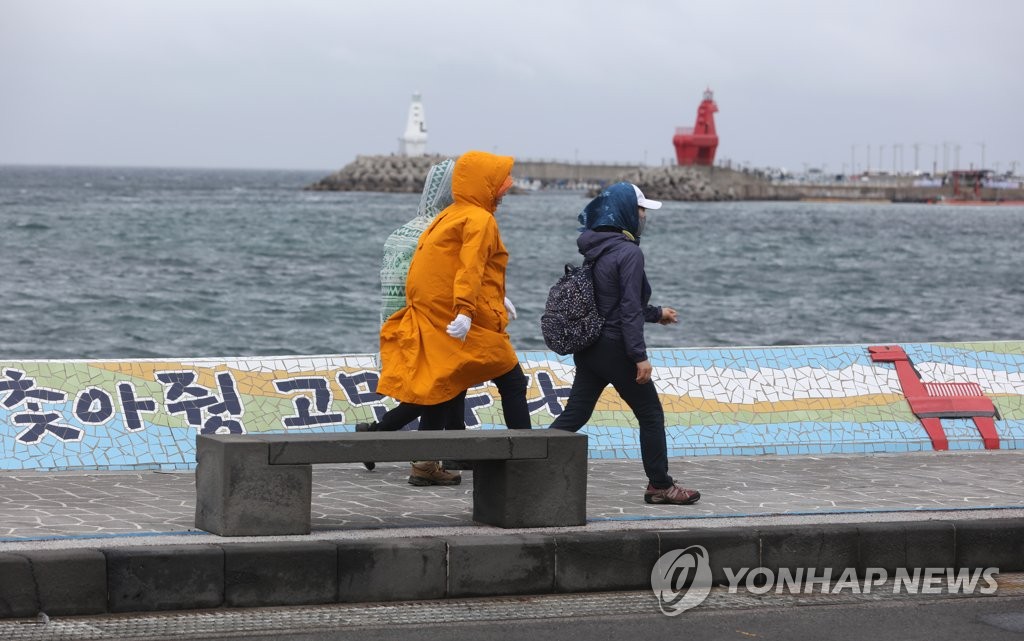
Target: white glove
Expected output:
[459,327]
[510,308]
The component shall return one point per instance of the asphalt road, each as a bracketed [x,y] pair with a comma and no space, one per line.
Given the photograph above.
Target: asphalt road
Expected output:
[981,619]
[574,617]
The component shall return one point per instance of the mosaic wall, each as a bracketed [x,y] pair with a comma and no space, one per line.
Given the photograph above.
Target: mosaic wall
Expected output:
[63,415]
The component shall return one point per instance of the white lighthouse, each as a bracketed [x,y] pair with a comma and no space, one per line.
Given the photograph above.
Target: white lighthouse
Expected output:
[414,142]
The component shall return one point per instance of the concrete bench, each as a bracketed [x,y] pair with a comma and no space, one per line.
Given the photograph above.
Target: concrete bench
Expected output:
[262,485]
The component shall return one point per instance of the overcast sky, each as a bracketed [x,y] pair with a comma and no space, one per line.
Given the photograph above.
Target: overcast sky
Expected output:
[309,84]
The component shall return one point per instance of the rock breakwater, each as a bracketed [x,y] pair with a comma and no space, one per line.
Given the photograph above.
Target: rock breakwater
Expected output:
[404,174]
[672,182]
[391,174]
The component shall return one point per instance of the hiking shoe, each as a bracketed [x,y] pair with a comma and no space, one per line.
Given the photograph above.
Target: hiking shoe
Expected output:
[672,495]
[432,473]
[457,465]
[367,427]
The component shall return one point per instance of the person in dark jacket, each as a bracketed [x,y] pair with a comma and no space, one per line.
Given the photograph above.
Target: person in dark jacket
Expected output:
[612,226]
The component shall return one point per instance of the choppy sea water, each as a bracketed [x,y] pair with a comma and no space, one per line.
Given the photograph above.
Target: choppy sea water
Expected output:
[138,263]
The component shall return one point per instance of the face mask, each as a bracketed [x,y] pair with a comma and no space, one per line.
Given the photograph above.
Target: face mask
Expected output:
[643,225]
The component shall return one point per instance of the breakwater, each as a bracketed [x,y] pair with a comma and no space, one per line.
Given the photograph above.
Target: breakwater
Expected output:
[388,174]
[401,174]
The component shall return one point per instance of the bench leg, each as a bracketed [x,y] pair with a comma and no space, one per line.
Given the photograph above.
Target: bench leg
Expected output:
[526,493]
[987,428]
[933,427]
[238,493]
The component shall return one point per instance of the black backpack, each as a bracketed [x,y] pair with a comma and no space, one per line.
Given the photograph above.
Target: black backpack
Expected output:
[570,321]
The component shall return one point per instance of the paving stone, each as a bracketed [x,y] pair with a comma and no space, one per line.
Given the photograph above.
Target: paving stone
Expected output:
[347,497]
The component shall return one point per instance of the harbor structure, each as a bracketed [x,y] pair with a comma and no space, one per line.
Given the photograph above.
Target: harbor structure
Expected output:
[414,141]
[697,145]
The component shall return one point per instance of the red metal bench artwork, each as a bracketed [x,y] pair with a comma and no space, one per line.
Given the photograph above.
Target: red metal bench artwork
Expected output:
[931,402]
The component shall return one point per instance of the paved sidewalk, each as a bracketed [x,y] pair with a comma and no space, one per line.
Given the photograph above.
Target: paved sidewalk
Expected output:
[72,509]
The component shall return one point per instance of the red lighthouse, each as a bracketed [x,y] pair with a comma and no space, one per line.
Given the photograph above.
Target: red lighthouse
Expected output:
[697,146]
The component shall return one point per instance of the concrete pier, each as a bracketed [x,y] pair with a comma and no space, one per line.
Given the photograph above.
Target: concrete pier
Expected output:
[124,541]
[805,456]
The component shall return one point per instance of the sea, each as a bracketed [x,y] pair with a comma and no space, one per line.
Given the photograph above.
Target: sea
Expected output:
[124,263]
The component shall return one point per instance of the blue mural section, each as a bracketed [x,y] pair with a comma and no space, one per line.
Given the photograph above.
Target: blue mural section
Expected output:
[798,400]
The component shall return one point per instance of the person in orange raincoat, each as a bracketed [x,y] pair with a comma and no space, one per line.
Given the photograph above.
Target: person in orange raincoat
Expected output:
[451,334]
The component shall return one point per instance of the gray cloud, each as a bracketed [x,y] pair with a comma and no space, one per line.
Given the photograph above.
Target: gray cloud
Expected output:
[312,83]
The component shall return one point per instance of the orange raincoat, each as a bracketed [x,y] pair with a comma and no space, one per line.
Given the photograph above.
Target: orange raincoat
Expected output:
[458,268]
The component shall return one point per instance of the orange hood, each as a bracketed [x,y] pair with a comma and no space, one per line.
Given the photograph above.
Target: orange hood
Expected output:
[478,177]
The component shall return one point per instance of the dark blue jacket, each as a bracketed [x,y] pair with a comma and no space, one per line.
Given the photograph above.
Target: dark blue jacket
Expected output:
[621,288]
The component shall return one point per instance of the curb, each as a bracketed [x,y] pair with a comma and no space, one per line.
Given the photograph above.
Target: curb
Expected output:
[101,580]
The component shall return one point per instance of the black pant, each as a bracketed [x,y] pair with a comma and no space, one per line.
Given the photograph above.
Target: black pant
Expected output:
[449,415]
[606,363]
[512,389]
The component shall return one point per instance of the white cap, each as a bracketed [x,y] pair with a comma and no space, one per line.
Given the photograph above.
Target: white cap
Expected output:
[644,202]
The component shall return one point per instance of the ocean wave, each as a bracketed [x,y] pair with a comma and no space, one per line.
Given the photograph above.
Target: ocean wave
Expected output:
[179,266]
